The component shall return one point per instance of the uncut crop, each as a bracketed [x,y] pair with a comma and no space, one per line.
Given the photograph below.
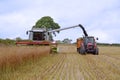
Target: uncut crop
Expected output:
[10,56]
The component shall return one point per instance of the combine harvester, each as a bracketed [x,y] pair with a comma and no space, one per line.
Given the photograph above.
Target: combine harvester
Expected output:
[41,36]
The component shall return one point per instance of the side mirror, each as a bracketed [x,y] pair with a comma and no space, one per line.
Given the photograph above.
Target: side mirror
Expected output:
[27,32]
[97,38]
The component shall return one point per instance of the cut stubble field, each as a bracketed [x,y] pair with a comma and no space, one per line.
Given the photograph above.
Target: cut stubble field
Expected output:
[70,65]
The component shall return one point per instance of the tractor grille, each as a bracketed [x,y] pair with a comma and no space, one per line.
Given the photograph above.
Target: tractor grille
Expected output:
[90,46]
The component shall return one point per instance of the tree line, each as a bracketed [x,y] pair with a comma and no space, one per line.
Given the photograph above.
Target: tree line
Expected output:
[108,44]
[7,42]
[65,41]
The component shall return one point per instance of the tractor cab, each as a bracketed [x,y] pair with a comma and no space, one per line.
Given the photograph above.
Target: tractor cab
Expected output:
[89,41]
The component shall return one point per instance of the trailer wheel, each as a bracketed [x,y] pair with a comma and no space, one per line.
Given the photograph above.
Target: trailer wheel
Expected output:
[82,50]
[78,50]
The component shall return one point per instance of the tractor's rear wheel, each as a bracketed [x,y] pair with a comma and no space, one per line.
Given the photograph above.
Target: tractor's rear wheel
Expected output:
[96,51]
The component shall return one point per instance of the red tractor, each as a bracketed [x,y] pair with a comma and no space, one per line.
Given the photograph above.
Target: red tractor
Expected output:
[87,44]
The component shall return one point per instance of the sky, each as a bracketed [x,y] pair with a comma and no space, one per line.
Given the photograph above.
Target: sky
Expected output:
[101,18]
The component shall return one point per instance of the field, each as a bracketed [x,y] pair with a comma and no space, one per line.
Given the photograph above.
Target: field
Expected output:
[65,65]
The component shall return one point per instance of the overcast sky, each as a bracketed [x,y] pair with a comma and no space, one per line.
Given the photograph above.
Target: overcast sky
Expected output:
[101,18]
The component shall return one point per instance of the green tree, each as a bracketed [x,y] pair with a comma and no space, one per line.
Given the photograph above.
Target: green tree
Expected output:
[18,39]
[48,23]
[67,41]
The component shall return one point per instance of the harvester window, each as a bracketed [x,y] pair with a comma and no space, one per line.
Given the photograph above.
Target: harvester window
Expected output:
[38,36]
